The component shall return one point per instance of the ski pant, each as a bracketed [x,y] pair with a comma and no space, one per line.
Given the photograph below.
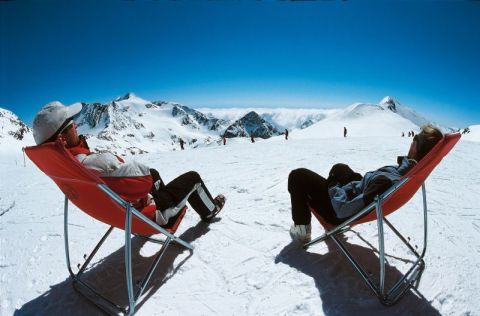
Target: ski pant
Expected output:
[174,192]
[308,188]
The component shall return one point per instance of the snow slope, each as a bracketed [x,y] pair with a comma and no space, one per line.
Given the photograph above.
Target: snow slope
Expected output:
[361,120]
[474,134]
[245,263]
[14,135]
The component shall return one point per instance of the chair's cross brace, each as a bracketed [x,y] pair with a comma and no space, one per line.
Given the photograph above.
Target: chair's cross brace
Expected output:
[357,266]
[152,268]
[90,257]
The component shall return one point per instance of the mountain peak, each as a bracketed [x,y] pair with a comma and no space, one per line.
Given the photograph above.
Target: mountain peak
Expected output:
[12,126]
[389,103]
[129,95]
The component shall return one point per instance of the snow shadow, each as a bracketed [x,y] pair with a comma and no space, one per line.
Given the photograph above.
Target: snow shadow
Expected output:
[342,290]
[107,276]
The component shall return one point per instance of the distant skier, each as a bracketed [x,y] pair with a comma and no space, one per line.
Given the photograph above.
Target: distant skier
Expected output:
[252,138]
[409,133]
[344,131]
[413,134]
[224,140]
[181,144]
[403,134]
[286,134]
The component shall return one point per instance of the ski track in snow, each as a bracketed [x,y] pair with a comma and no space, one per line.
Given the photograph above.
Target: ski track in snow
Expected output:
[245,263]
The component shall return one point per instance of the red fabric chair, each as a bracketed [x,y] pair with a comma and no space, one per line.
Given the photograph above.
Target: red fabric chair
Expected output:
[91,195]
[385,204]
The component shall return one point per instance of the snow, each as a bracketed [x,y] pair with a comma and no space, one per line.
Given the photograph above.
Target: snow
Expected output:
[245,263]
[474,134]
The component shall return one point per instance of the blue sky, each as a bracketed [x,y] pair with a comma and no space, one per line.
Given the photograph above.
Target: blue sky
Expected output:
[223,54]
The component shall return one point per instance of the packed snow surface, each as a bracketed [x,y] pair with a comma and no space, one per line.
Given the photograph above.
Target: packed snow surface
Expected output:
[474,134]
[245,263]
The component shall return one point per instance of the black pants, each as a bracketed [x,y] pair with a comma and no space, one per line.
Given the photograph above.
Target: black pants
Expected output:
[174,192]
[308,188]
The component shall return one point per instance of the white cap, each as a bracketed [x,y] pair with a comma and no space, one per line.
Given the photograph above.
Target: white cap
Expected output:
[50,118]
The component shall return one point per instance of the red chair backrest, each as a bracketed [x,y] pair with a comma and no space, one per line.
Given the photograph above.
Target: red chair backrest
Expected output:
[81,187]
[417,175]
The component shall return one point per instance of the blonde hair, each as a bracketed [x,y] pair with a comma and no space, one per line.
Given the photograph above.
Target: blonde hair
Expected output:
[427,139]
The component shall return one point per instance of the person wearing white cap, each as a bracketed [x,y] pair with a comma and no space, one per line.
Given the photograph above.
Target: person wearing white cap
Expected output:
[54,122]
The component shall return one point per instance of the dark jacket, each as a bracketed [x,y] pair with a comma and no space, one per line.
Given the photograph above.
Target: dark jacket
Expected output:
[349,192]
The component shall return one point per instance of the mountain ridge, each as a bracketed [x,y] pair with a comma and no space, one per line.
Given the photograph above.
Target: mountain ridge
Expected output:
[130,124]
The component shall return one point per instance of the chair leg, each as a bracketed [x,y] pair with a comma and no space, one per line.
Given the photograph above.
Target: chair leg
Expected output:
[93,295]
[128,260]
[77,277]
[410,279]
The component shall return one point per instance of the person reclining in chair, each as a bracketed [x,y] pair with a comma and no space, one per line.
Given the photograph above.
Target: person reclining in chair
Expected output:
[345,192]
[128,179]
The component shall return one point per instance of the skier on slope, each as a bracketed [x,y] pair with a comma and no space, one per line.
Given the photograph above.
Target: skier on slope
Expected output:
[345,192]
[55,122]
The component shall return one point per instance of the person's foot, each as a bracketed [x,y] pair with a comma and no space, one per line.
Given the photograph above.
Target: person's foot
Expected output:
[219,202]
[302,233]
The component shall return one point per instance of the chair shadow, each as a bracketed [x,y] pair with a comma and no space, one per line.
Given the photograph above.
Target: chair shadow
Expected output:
[342,290]
[107,276]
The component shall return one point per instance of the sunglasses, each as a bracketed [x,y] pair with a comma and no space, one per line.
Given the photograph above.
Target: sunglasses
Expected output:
[67,127]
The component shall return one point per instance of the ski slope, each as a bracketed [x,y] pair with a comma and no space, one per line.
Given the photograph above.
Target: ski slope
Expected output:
[245,263]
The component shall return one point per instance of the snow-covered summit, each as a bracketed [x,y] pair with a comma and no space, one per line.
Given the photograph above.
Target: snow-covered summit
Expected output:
[13,131]
[393,105]
[130,124]
[251,124]
[129,96]
[14,135]
[12,127]
[389,103]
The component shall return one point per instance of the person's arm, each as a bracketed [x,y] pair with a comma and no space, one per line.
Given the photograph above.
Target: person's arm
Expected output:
[376,187]
[343,203]
[342,174]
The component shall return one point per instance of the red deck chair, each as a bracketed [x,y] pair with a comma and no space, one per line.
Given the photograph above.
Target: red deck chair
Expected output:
[90,194]
[385,204]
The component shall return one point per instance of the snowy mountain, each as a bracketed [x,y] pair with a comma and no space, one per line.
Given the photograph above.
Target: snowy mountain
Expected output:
[14,135]
[12,127]
[132,125]
[280,118]
[251,124]
[362,119]
[395,106]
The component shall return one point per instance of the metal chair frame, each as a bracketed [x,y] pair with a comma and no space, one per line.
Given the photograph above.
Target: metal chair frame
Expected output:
[133,298]
[412,277]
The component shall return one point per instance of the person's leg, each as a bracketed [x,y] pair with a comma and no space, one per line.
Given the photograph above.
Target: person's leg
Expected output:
[201,200]
[308,188]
